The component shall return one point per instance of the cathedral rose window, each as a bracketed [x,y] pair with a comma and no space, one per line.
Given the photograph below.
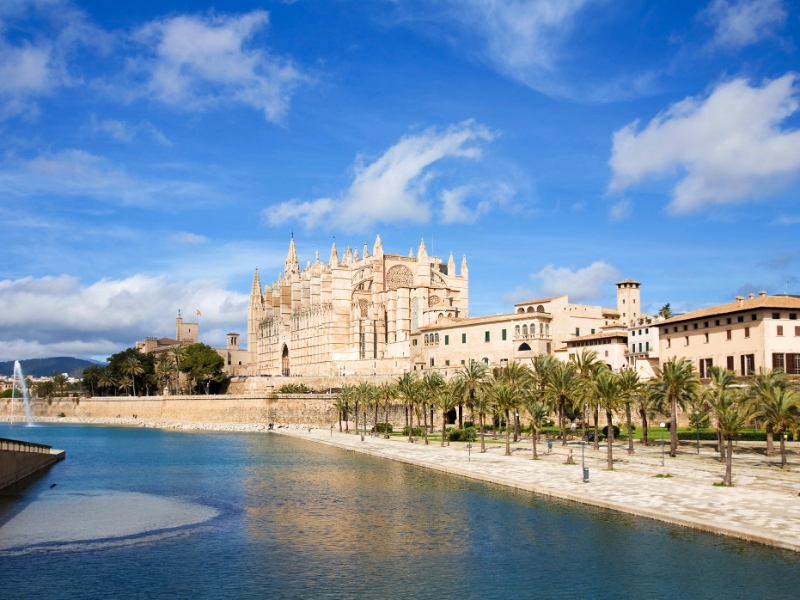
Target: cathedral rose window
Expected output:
[399,276]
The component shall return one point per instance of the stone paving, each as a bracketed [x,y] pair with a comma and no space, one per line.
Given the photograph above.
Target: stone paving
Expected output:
[763,505]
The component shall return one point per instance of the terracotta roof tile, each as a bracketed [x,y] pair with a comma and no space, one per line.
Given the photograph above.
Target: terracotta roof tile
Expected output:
[733,307]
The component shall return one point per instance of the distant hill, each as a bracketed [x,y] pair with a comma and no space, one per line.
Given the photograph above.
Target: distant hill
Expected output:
[44,367]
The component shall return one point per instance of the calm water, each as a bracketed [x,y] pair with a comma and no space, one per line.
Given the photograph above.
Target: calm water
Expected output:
[268,515]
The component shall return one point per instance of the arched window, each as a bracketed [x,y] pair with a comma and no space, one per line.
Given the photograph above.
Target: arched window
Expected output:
[516,330]
[426,339]
[520,310]
[541,328]
[524,347]
[524,330]
[436,336]
[530,309]
[547,329]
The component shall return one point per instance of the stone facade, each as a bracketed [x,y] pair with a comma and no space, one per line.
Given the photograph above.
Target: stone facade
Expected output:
[350,317]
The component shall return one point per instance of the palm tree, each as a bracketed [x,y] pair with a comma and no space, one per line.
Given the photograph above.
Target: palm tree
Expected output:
[538,410]
[340,404]
[666,311]
[482,406]
[470,379]
[731,419]
[562,385]
[676,385]
[132,366]
[164,371]
[431,384]
[518,377]
[445,400]
[781,410]
[630,389]
[386,392]
[607,389]
[59,381]
[178,353]
[348,395]
[408,390]
[762,388]
[505,400]
[648,407]
[365,393]
[124,383]
[719,395]
[106,380]
[586,362]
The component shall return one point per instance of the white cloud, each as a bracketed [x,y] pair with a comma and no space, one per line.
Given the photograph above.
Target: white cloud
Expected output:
[198,62]
[726,147]
[54,316]
[79,173]
[454,202]
[519,294]
[743,22]
[123,131]
[583,284]
[391,188]
[184,237]
[620,210]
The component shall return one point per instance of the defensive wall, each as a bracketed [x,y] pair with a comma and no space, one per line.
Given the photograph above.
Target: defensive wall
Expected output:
[19,459]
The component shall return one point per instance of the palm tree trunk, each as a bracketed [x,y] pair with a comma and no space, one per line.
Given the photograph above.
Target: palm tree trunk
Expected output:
[386,424]
[508,436]
[516,427]
[444,426]
[596,427]
[770,440]
[630,433]
[483,445]
[729,463]
[406,409]
[340,421]
[494,428]
[133,382]
[610,441]
[721,442]
[533,437]
[377,406]
[410,424]
[425,414]
[561,424]
[673,430]
[783,448]
[346,422]
[461,414]
[645,428]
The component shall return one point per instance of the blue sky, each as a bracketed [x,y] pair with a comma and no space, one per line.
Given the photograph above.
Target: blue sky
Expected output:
[154,153]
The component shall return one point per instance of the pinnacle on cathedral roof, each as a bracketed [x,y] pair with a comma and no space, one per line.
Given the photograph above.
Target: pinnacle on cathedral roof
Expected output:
[451,265]
[377,250]
[333,262]
[256,289]
[464,265]
[366,252]
[355,255]
[410,253]
[422,253]
[292,264]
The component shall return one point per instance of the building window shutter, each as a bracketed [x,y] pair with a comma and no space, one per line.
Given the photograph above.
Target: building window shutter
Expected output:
[730,363]
[780,329]
[504,334]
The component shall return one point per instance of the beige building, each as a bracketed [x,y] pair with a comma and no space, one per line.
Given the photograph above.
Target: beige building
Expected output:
[353,316]
[744,336]
[187,333]
[542,326]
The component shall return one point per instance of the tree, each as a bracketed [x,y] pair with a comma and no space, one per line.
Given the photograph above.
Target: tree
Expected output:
[117,366]
[482,406]
[518,377]
[177,354]
[469,380]
[718,395]
[348,396]
[630,389]
[538,410]
[505,400]
[132,367]
[587,364]
[731,419]
[762,389]
[165,369]
[665,312]
[106,381]
[202,363]
[408,390]
[431,384]
[445,401]
[676,386]
[90,377]
[608,390]
[59,381]
[561,386]
[386,392]
[340,404]
[781,409]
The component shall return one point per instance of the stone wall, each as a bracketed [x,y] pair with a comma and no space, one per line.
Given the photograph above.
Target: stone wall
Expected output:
[23,460]
[256,384]
[309,409]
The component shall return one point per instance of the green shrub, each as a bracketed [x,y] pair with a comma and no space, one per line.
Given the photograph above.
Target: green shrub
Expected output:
[294,388]
[605,431]
[383,428]
[61,415]
[462,435]
[8,393]
[417,431]
[748,435]
[468,424]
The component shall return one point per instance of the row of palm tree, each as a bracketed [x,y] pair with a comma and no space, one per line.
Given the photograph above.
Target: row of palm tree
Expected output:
[578,388]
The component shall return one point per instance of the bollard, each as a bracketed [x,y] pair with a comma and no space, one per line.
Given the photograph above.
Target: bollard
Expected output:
[585,475]
[549,446]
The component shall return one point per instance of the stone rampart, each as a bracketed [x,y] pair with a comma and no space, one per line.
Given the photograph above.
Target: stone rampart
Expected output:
[20,459]
[257,384]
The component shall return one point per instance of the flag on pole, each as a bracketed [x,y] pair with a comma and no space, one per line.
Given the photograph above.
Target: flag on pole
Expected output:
[198,313]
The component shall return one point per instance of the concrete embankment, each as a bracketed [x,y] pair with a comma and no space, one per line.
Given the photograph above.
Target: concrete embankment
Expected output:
[20,459]
[762,507]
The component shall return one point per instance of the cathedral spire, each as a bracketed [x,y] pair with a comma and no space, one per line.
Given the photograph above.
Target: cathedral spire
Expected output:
[377,250]
[255,291]
[348,258]
[292,264]
[422,253]
[463,266]
[366,252]
[451,266]
[410,253]
[333,262]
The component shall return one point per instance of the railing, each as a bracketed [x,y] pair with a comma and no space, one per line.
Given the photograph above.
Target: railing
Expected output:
[535,336]
[18,446]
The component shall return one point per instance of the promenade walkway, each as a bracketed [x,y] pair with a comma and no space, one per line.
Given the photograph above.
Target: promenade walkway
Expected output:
[762,506]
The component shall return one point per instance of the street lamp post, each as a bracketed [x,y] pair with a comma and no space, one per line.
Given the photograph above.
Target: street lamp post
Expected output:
[662,442]
[697,427]
[469,446]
